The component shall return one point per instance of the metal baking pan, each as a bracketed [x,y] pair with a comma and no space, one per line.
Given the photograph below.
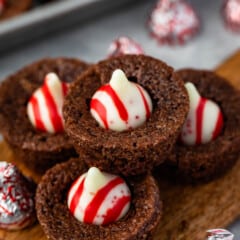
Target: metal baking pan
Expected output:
[50,17]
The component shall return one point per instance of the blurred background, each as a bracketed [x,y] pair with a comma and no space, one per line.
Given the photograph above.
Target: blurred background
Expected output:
[85,29]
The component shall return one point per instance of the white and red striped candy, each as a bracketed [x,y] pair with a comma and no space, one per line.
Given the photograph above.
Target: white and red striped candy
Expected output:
[2,5]
[44,108]
[217,234]
[204,121]
[99,198]
[124,45]
[231,14]
[16,198]
[173,21]
[121,104]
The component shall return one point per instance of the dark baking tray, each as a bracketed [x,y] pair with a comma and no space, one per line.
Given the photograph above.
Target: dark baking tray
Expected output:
[52,16]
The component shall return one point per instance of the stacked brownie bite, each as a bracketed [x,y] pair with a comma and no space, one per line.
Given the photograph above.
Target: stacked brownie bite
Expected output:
[214,139]
[134,150]
[124,116]
[31,139]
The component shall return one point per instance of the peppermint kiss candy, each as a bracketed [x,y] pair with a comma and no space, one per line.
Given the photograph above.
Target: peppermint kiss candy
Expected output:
[219,234]
[121,104]
[124,45]
[99,198]
[44,108]
[204,121]
[16,198]
[2,5]
[173,21]
[231,14]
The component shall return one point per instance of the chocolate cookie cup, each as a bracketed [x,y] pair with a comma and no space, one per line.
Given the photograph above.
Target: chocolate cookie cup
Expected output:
[58,223]
[205,161]
[137,150]
[38,150]
[14,8]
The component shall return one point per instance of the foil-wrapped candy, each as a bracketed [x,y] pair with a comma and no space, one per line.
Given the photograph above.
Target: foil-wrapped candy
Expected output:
[219,234]
[231,14]
[173,22]
[124,45]
[16,198]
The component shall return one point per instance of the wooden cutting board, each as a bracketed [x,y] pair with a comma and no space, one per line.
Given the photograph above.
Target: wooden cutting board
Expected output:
[188,210]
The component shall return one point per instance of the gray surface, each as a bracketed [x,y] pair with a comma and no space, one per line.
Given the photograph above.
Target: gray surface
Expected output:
[90,41]
[49,17]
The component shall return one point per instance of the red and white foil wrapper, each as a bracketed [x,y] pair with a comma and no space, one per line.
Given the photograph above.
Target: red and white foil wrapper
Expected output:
[44,108]
[204,121]
[99,198]
[2,5]
[173,22]
[16,198]
[231,14]
[124,45]
[219,234]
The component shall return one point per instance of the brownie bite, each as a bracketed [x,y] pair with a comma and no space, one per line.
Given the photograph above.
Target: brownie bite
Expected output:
[14,7]
[206,161]
[58,223]
[137,150]
[37,149]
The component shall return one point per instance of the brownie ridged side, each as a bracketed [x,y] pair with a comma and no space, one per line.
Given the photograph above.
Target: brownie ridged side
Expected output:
[138,150]
[40,161]
[206,161]
[39,150]
[58,223]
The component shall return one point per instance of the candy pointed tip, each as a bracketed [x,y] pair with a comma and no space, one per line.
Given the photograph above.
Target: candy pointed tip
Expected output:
[94,179]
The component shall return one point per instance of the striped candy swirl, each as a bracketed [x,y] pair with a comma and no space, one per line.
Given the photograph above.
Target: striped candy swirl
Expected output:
[99,198]
[204,121]
[121,104]
[215,234]
[44,108]
[173,21]
[124,45]
[231,14]
[16,198]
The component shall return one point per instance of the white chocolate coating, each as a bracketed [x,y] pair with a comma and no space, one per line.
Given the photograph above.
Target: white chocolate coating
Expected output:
[125,104]
[99,198]
[44,108]
[204,120]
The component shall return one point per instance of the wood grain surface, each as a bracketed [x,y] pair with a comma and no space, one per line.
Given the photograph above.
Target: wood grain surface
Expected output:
[188,210]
